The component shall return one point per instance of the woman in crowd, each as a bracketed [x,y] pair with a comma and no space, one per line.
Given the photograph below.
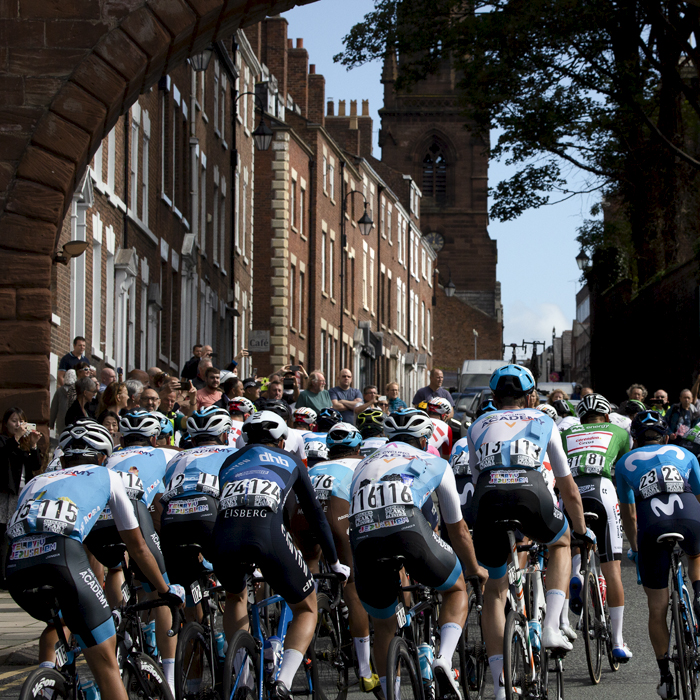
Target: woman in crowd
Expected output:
[20,460]
[85,390]
[110,420]
[392,394]
[114,398]
[62,401]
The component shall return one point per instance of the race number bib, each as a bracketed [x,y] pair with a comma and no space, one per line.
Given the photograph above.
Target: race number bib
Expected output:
[590,463]
[252,493]
[208,483]
[669,481]
[133,485]
[520,453]
[18,525]
[56,516]
[460,464]
[323,486]
[380,494]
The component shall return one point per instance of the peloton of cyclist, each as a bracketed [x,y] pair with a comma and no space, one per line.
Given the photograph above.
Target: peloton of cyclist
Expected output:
[592,448]
[659,486]
[332,480]
[507,452]
[55,513]
[250,530]
[388,491]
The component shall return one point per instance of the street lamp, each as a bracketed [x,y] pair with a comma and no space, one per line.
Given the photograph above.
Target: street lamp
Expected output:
[200,61]
[71,249]
[582,260]
[365,222]
[476,335]
[263,133]
[450,288]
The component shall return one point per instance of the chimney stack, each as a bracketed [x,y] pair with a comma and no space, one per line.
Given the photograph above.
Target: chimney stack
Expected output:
[341,108]
[330,107]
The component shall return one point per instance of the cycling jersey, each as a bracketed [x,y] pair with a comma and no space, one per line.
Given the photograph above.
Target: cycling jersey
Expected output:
[567,422]
[194,472]
[388,490]
[142,469]
[333,478]
[621,421]
[68,503]
[234,433]
[294,443]
[593,448]
[372,444]
[441,439]
[250,529]
[459,461]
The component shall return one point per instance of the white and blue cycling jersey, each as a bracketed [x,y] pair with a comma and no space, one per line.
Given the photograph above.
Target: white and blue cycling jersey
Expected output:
[419,475]
[333,479]
[459,458]
[517,439]
[315,437]
[195,472]
[69,502]
[656,469]
[142,470]
[372,444]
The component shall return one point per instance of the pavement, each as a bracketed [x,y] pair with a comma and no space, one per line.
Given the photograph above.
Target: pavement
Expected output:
[636,680]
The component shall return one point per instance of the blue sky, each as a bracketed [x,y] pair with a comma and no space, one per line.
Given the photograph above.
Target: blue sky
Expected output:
[536,253]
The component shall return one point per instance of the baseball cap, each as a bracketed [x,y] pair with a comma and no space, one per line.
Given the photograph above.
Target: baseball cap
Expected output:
[247,383]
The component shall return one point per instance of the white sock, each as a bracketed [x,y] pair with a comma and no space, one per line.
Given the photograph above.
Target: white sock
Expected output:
[47,664]
[565,613]
[291,660]
[169,672]
[382,682]
[616,614]
[362,652]
[450,633]
[576,566]
[555,602]
[496,665]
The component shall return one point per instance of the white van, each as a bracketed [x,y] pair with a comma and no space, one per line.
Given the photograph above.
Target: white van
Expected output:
[476,374]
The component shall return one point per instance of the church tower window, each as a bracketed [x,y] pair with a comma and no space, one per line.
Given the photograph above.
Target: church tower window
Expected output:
[435,173]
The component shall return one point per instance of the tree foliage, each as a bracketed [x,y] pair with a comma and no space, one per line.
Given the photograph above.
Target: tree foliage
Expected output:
[609,87]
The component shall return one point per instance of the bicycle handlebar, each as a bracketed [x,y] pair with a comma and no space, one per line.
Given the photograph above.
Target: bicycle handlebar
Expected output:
[330,576]
[159,603]
[476,586]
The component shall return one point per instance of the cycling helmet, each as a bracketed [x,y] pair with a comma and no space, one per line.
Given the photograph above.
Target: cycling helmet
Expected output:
[648,420]
[633,407]
[512,380]
[549,410]
[344,434]
[593,403]
[305,415]
[315,449]
[410,422]
[140,422]
[278,406]
[487,406]
[166,426]
[241,405]
[327,418]
[439,405]
[563,408]
[264,426]
[86,438]
[211,421]
[371,417]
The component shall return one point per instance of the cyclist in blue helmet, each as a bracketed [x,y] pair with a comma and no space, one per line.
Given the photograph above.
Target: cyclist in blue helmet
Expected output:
[326,419]
[487,406]
[514,453]
[167,432]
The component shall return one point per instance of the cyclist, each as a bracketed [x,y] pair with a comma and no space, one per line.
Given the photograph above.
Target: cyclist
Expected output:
[658,486]
[141,465]
[549,410]
[256,483]
[315,446]
[239,409]
[388,490]
[332,481]
[304,419]
[592,448]
[166,435]
[370,423]
[54,514]
[439,410]
[507,454]
[191,498]
[294,442]
[316,451]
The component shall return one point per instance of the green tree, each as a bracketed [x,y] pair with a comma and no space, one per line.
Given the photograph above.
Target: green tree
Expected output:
[608,87]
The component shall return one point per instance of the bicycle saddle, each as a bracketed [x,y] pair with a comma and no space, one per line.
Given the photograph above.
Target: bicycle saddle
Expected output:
[590,516]
[511,524]
[670,537]
[397,561]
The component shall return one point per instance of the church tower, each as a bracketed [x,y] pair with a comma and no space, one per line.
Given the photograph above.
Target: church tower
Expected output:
[423,134]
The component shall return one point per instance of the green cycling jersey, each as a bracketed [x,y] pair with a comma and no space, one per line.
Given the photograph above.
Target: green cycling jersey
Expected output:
[593,448]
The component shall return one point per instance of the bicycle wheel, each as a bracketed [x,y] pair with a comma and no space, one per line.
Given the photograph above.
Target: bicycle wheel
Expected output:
[678,650]
[516,665]
[242,668]
[44,684]
[194,675]
[403,682]
[472,655]
[691,641]
[143,678]
[329,668]
[593,626]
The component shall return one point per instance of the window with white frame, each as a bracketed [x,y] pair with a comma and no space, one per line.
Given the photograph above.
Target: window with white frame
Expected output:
[399,308]
[237,209]
[222,106]
[244,210]
[399,238]
[203,91]
[422,323]
[302,205]
[325,174]
[404,227]
[323,350]
[364,275]
[111,159]
[382,219]
[388,223]
[427,330]
[134,161]
[97,163]
[96,284]
[371,279]
[423,258]
[414,320]
[331,180]
[163,124]
[429,270]
[222,224]
[110,240]
[217,70]
[145,147]
[293,204]
[331,256]
[323,260]
[215,218]
[292,283]
[202,203]
[300,301]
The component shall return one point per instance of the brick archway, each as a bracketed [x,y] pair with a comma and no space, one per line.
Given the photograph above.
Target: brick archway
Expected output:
[69,69]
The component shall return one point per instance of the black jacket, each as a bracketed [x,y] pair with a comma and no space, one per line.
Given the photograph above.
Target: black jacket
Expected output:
[12,460]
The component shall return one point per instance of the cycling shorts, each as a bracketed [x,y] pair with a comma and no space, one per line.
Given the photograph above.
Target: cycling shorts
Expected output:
[245,538]
[427,558]
[666,512]
[598,496]
[186,528]
[512,494]
[39,560]
[105,543]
